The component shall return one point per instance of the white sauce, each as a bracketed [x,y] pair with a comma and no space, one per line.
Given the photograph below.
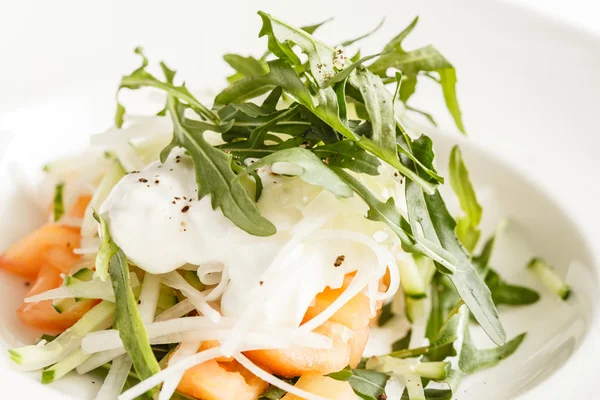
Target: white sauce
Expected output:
[156,218]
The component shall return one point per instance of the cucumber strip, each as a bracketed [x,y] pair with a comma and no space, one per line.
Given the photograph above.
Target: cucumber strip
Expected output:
[410,279]
[114,174]
[128,321]
[58,204]
[414,386]
[64,366]
[35,357]
[437,371]
[84,274]
[61,305]
[549,278]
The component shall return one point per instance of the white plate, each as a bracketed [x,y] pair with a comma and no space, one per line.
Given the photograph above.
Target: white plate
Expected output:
[528,87]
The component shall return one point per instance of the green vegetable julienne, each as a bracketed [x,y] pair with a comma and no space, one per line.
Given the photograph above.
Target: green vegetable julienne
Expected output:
[127,319]
[59,206]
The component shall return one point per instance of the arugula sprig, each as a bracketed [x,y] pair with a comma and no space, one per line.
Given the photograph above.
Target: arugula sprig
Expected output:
[307,117]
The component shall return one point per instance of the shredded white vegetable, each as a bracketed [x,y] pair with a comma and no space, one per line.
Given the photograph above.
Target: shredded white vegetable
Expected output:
[176,281]
[186,349]
[171,371]
[99,359]
[149,298]
[116,378]
[273,380]
[178,310]
[94,289]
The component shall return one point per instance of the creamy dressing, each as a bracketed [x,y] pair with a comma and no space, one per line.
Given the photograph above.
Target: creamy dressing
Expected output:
[156,218]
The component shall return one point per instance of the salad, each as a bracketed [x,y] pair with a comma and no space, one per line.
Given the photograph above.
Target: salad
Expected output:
[246,250]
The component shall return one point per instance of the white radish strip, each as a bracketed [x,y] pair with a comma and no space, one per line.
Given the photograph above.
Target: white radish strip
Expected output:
[362,279]
[149,297]
[357,285]
[86,250]
[177,330]
[99,359]
[178,310]
[116,378]
[69,220]
[170,372]
[129,158]
[176,281]
[185,350]
[218,290]
[209,273]
[94,289]
[394,283]
[273,380]
[259,294]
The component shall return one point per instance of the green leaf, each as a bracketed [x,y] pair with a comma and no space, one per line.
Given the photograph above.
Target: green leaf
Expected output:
[107,249]
[425,59]
[311,169]
[473,359]
[363,36]
[367,384]
[214,173]
[58,203]
[434,231]
[310,29]
[467,230]
[380,107]
[386,315]
[345,73]
[128,321]
[272,393]
[280,74]
[247,66]
[141,78]
[505,293]
[250,109]
[282,37]
[347,154]
[402,343]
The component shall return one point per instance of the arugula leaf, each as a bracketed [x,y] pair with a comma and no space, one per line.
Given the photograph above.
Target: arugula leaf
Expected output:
[247,66]
[310,29]
[142,78]
[282,36]
[473,359]
[250,109]
[386,315]
[280,74]
[214,174]
[425,59]
[313,170]
[347,154]
[363,36]
[367,384]
[272,393]
[128,321]
[379,106]
[58,203]
[345,73]
[467,230]
[107,249]
[505,293]
[433,228]
[402,343]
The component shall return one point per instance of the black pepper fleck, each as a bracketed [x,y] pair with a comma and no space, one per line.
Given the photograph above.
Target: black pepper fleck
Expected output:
[173,202]
[177,198]
[157,181]
[339,260]
[382,396]
[139,302]
[27,284]
[260,283]
[185,209]
[143,180]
